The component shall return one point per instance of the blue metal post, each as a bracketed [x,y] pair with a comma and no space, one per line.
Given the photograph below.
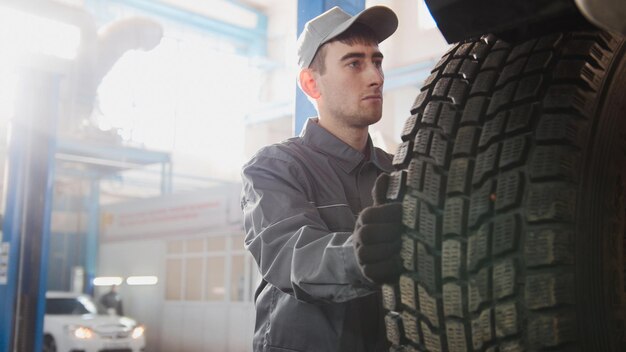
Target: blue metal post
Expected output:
[91,242]
[308,9]
[12,207]
[26,227]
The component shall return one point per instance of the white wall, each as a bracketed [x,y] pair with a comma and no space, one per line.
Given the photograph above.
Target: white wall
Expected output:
[143,303]
[210,327]
[174,326]
[411,43]
[179,323]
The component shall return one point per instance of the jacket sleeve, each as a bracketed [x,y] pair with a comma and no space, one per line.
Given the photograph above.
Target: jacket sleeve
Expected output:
[294,249]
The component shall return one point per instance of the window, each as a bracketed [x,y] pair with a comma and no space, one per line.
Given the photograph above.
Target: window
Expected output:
[216,243]
[195,245]
[174,247]
[237,278]
[173,276]
[215,268]
[71,306]
[215,278]
[193,281]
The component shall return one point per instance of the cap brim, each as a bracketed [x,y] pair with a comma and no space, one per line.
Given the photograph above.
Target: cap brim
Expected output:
[382,20]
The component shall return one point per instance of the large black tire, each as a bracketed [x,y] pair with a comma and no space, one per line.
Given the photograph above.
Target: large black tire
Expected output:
[512,176]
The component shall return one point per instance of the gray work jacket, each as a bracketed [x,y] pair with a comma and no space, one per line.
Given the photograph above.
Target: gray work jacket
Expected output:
[300,201]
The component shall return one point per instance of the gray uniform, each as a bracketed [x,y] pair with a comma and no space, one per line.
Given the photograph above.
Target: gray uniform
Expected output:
[300,200]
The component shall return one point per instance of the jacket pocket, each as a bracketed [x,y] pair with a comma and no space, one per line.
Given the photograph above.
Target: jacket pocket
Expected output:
[337,216]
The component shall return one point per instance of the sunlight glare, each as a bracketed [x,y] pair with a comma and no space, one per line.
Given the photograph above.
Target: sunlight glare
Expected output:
[25,32]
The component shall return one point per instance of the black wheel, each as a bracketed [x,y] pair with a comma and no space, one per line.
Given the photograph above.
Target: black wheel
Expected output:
[512,176]
[49,345]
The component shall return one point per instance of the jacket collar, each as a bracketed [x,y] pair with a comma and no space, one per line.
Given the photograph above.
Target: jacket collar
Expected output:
[347,157]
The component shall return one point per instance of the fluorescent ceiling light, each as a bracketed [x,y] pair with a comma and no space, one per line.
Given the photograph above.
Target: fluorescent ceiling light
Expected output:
[107,281]
[142,280]
[25,32]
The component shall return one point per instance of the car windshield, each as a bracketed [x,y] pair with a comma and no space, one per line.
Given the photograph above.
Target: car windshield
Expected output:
[72,306]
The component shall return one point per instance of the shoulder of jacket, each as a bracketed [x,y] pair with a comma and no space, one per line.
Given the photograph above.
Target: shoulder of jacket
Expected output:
[287,150]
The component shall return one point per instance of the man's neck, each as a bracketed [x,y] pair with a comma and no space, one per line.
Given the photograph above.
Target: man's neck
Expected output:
[355,137]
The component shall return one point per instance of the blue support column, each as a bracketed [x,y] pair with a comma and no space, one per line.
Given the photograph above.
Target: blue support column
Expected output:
[12,207]
[26,226]
[308,9]
[91,242]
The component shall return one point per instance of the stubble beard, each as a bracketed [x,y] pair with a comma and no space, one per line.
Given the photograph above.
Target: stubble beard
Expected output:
[361,117]
[367,116]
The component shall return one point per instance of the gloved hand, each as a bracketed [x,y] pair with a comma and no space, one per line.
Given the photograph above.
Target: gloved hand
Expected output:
[377,234]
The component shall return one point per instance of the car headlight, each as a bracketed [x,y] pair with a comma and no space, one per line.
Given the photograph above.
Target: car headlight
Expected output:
[138,332]
[81,332]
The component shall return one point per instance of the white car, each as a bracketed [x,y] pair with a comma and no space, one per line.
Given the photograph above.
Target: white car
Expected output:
[73,322]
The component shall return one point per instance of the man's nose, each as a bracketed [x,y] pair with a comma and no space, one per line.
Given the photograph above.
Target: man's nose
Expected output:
[375,75]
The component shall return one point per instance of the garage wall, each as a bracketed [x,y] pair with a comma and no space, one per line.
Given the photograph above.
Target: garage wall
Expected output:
[193,244]
[175,325]
[210,327]
[143,303]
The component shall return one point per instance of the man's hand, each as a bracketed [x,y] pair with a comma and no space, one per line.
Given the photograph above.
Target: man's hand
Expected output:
[377,237]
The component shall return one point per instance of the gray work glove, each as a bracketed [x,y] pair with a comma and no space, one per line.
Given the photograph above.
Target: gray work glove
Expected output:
[377,239]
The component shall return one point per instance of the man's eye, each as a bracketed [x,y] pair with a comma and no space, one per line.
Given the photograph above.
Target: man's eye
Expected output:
[354,64]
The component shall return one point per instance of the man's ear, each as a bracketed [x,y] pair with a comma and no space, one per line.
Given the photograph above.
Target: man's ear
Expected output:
[309,84]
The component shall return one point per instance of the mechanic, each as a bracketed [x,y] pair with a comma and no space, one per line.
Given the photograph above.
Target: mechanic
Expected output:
[113,300]
[321,246]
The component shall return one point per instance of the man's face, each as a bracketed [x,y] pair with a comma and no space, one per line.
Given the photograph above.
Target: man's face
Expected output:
[351,86]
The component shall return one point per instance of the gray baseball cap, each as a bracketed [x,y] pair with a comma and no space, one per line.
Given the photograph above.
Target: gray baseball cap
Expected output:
[321,29]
